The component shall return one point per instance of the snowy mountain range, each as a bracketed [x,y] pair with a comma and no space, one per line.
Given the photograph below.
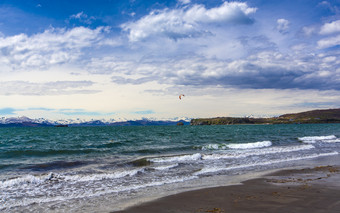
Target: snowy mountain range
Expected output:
[40,122]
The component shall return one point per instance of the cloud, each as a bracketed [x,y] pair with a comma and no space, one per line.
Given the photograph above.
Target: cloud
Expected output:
[282,25]
[266,69]
[53,46]
[329,6]
[184,1]
[82,17]
[187,22]
[79,112]
[329,42]
[144,112]
[48,88]
[308,31]
[330,28]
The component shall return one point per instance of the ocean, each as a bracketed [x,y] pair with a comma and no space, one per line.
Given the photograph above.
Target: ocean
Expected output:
[102,169]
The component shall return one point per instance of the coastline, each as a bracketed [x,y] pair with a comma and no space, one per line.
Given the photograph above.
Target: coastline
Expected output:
[311,189]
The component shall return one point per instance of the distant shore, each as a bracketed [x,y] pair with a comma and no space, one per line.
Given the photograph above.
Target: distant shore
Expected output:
[308,117]
[315,189]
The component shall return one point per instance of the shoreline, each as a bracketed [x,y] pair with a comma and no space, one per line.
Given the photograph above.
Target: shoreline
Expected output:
[314,189]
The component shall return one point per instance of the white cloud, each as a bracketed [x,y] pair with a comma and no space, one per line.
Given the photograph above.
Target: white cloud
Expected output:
[308,31]
[329,42]
[82,17]
[187,22]
[184,1]
[79,15]
[329,59]
[330,28]
[48,88]
[282,25]
[53,46]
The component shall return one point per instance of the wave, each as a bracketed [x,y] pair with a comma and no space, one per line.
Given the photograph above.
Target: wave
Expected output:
[219,169]
[179,158]
[90,193]
[36,180]
[253,145]
[27,179]
[166,167]
[265,151]
[103,176]
[250,145]
[234,154]
[321,139]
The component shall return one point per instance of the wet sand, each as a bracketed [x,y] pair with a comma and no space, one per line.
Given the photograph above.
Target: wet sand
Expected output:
[303,190]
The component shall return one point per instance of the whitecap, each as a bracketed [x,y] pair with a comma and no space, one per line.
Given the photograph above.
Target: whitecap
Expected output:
[210,169]
[252,145]
[314,139]
[165,167]
[264,151]
[179,158]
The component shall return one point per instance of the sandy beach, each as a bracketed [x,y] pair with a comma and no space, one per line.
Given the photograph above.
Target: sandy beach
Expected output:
[297,190]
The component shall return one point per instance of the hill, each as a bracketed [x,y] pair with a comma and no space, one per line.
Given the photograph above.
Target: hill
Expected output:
[314,116]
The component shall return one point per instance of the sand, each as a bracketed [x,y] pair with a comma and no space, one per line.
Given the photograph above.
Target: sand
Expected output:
[302,190]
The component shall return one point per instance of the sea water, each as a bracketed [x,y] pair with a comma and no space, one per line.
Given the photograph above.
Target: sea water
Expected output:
[88,169]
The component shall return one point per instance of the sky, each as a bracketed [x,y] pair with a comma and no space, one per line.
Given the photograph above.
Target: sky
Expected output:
[131,59]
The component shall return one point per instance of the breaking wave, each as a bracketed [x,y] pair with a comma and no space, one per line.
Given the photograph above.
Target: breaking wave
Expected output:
[320,139]
[206,170]
[254,145]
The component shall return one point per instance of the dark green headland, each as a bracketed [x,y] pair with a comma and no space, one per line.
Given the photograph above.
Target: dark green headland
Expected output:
[314,116]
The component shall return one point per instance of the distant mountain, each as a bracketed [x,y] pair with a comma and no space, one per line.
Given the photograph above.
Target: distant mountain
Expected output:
[41,122]
[149,123]
[314,116]
[24,122]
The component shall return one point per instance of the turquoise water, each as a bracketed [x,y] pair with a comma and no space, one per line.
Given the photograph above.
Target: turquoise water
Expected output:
[51,166]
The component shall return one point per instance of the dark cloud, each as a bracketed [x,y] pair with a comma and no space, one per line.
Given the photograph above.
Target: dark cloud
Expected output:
[263,70]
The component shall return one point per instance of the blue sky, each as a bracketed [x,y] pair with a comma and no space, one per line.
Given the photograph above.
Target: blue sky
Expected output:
[131,59]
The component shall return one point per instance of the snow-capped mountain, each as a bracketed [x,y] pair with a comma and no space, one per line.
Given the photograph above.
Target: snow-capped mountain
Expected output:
[25,121]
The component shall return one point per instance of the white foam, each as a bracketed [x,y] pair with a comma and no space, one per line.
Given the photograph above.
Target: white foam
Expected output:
[253,145]
[314,139]
[332,141]
[166,167]
[214,147]
[35,180]
[90,193]
[206,170]
[250,145]
[27,179]
[265,151]
[179,158]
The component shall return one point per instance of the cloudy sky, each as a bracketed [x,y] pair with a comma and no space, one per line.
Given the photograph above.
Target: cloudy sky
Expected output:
[132,58]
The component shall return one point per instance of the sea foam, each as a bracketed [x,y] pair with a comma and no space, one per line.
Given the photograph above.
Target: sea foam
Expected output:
[265,151]
[250,145]
[179,158]
[36,180]
[321,139]
[206,170]
[93,193]
[253,145]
